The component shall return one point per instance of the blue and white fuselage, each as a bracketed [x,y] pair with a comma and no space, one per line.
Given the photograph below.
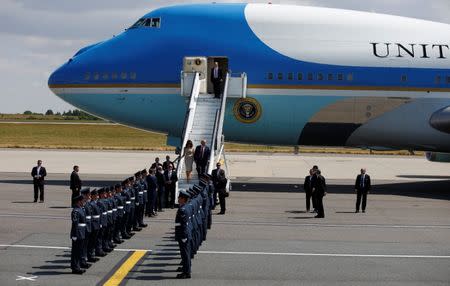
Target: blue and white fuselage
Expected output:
[321,76]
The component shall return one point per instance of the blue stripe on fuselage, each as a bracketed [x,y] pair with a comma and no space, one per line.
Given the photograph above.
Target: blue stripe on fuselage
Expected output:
[155,55]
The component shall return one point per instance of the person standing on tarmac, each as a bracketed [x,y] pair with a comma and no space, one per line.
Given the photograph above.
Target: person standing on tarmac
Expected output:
[77,235]
[183,235]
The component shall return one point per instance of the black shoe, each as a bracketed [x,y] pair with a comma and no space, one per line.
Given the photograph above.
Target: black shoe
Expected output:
[319,216]
[184,276]
[357,211]
[180,269]
[107,250]
[87,265]
[364,211]
[100,254]
[41,201]
[131,234]
[126,236]
[93,259]
[118,241]
[137,229]
[114,245]
[35,201]
[143,225]
[221,213]
[161,211]
[78,271]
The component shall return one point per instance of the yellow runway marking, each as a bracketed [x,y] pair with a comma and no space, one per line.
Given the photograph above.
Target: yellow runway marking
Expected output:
[126,267]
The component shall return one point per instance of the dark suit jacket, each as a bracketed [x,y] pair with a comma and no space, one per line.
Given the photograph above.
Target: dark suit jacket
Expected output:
[172,178]
[367,185]
[75,182]
[155,166]
[219,75]
[199,160]
[319,184]
[42,173]
[219,179]
[152,182]
[307,184]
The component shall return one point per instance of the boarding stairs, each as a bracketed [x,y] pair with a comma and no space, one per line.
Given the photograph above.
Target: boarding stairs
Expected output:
[204,120]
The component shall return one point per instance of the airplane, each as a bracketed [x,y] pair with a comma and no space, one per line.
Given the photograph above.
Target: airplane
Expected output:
[313,76]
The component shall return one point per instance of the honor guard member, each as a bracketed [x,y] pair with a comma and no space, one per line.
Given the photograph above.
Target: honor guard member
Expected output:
[130,192]
[120,202]
[111,215]
[183,235]
[145,188]
[205,204]
[127,209]
[200,215]
[193,222]
[101,240]
[93,249]
[113,202]
[87,257]
[134,204]
[103,221]
[77,235]
[139,194]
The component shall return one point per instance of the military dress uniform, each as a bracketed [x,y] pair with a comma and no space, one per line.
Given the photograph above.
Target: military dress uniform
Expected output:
[78,236]
[88,212]
[93,249]
[183,237]
[119,201]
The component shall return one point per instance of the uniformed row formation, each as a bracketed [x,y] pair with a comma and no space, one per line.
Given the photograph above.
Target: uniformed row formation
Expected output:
[192,221]
[102,218]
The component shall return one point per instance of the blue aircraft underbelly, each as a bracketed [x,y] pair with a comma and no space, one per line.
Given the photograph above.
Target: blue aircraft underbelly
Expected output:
[281,122]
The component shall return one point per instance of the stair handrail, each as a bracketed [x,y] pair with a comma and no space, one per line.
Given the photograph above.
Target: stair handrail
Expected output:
[222,109]
[212,156]
[188,123]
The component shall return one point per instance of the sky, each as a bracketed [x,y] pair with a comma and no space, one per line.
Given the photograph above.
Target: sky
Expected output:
[37,36]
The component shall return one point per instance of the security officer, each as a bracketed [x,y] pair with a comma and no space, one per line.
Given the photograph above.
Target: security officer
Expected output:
[183,235]
[78,235]
[93,248]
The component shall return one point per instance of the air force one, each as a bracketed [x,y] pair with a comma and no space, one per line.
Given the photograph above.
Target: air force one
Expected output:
[293,75]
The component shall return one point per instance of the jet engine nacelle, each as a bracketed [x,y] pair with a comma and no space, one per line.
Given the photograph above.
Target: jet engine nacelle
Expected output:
[438,157]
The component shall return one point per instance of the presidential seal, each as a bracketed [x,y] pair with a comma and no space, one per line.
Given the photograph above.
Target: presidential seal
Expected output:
[247,110]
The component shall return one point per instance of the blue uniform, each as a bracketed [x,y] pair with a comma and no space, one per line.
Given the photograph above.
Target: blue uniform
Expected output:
[183,236]
[78,236]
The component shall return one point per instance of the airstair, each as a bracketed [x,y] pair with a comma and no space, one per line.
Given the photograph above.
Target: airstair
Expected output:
[204,120]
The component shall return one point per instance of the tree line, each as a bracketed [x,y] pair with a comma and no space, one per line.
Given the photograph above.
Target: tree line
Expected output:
[68,114]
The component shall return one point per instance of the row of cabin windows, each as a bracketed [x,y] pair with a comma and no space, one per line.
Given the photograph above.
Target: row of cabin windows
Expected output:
[340,77]
[310,76]
[441,79]
[147,22]
[107,76]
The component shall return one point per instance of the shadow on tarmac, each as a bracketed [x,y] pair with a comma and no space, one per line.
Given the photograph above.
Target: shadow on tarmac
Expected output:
[51,267]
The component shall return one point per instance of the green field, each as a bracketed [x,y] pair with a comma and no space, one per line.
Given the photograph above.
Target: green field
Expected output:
[117,137]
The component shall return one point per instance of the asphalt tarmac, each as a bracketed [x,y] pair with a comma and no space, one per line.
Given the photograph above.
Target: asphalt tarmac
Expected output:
[265,238]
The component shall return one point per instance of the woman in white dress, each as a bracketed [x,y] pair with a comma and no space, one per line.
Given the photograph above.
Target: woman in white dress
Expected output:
[188,159]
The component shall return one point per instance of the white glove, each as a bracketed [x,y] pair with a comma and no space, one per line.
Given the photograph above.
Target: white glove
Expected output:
[184,240]
[74,238]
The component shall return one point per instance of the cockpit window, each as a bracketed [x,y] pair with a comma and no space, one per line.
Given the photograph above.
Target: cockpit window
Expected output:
[147,22]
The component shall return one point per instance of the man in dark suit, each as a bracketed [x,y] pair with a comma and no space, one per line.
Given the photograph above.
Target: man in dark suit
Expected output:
[319,189]
[156,164]
[75,182]
[201,157]
[166,163]
[220,183]
[38,173]
[307,186]
[171,178]
[216,79]
[362,187]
